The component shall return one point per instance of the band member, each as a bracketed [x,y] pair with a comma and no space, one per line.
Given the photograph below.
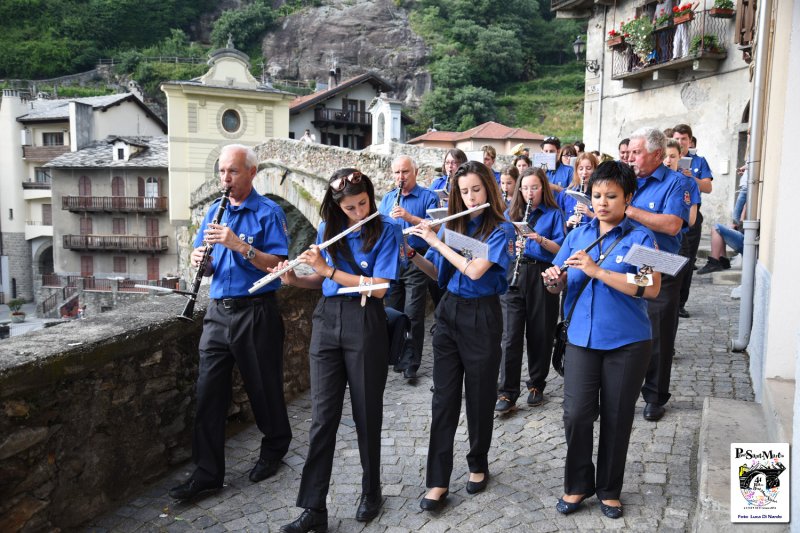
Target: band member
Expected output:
[489,157]
[239,328]
[529,311]
[562,175]
[452,160]
[466,342]
[407,205]
[523,163]
[609,346]
[349,342]
[578,213]
[508,183]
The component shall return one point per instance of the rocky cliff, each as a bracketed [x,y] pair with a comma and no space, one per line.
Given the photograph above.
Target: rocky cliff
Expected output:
[360,35]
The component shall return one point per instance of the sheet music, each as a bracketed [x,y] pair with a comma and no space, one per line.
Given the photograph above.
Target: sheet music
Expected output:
[523,228]
[442,194]
[579,196]
[663,262]
[541,159]
[466,246]
[437,213]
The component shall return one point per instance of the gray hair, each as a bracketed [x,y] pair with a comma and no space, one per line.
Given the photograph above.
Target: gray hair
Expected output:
[654,138]
[250,157]
[408,158]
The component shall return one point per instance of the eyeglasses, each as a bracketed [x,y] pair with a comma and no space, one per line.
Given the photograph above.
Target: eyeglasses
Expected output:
[339,184]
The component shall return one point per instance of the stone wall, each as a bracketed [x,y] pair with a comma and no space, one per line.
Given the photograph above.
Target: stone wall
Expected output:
[18,251]
[93,410]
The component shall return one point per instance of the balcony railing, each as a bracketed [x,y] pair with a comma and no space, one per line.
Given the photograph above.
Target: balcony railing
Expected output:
[43,153]
[701,44]
[342,117]
[139,204]
[121,243]
[68,283]
[37,184]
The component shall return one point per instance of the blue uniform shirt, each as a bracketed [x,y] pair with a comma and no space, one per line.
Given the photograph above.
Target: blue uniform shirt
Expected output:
[496,176]
[665,192]
[416,202]
[383,261]
[567,204]
[561,176]
[439,183]
[700,168]
[258,221]
[493,281]
[550,224]
[605,318]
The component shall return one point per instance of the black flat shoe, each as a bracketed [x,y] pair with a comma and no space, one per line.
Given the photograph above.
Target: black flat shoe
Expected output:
[193,488]
[369,507]
[310,520]
[567,507]
[263,469]
[474,487]
[653,412]
[611,511]
[427,504]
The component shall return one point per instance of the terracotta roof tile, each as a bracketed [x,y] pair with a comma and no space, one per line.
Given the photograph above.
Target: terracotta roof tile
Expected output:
[487,130]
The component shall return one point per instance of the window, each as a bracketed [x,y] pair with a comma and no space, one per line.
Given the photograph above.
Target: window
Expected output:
[84,186]
[151,225]
[118,226]
[86,226]
[121,154]
[117,186]
[47,214]
[53,139]
[87,266]
[152,269]
[151,187]
[120,264]
[42,175]
[231,121]
[10,214]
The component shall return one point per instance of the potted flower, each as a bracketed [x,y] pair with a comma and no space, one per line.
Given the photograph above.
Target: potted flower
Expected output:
[639,33]
[705,43]
[682,14]
[615,38]
[723,9]
[664,21]
[15,306]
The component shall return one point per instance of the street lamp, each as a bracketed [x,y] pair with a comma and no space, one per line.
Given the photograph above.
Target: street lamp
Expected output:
[579,47]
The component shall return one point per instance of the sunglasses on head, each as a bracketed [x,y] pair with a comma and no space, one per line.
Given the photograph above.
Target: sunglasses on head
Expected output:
[339,184]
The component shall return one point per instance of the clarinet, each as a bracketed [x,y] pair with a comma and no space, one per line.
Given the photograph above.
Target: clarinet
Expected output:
[512,286]
[188,311]
[399,195]
[575,212]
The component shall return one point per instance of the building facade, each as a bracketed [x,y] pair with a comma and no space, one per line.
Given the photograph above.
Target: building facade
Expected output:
[33,131]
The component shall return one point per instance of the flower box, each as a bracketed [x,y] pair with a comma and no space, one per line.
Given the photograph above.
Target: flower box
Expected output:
[721,13]
[682,18]
[613,42]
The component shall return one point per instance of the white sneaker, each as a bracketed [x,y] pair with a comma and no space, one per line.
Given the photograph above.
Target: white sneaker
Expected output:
[736,293]
[736,261]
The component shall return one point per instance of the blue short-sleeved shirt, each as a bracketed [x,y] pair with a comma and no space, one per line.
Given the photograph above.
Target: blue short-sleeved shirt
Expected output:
[700,168]
[605,318]
[258,221]
[665,192]
[383,261]
[496,176]
[493,281]
[440,183]
[416,202]
[567,204]
[561,176]
[549,224]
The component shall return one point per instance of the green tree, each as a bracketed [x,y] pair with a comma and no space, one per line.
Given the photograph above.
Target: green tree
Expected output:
[246,25]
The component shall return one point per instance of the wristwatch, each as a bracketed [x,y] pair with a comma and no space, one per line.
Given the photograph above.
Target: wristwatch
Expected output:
[250,254]
[411,253]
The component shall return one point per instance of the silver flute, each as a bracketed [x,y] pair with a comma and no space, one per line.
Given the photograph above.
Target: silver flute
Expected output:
[451,217]
[294,263]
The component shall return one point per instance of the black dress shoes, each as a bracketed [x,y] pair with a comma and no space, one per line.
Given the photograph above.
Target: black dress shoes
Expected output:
[310,520]
[565,507]
[474,487]
[193,488]
[410,373]
[433,505]
[263,469]
[369,507]
[611,511]
[653,412]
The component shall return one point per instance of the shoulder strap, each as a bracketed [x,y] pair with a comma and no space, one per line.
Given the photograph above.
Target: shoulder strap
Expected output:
[588,279]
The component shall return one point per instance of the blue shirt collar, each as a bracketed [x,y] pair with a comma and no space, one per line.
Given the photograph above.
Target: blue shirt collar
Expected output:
[659,173]
[251,202]
[624,225]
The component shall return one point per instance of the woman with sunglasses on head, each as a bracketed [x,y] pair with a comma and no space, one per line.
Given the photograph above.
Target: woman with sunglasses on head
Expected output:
[608,348]
[466,342]
[577,212]
[349,341]
[529,311]
[452,160]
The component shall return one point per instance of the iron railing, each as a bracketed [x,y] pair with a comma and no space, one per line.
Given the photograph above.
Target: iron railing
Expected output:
[342,116]
[115,203]
[124,243]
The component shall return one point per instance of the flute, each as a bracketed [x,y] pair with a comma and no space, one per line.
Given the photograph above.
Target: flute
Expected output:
[294,263]
[407,231]
[563,268]
[188,311]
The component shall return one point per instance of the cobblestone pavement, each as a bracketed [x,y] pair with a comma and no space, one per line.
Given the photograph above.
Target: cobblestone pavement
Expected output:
[526,459]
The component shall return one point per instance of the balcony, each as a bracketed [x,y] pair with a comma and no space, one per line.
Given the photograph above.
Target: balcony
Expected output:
[705,49]
[121,204]
[42,184]
[341,118]
[43,154]
[37,228]
[116,243]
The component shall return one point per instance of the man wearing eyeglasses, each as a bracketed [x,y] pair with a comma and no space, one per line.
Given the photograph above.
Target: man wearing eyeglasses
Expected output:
[407,204]
[239,328]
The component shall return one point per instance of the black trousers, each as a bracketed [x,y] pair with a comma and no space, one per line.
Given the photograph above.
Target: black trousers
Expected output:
[533,312]
[409,296]
[663,313]
[689,246]
[604,383]
[349,347]
[249,333]
[466,349]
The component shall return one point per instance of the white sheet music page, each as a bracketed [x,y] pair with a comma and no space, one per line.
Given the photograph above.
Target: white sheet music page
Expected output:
[579,196]
[663,262]
[466,246]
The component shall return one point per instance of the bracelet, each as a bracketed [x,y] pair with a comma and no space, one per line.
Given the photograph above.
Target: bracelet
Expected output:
[332,273]
[369,283]
[639,292]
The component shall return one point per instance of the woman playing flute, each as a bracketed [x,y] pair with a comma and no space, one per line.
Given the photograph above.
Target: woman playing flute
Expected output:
[608,347]
[466,342]
[349,341]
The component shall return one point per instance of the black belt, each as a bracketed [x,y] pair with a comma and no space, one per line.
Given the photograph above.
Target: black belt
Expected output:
[531,261]
[241,302]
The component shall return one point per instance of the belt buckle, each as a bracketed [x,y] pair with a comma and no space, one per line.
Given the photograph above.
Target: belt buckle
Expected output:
[228,303]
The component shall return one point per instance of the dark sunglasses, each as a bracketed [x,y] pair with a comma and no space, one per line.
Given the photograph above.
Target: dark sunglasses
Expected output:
[339,184]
